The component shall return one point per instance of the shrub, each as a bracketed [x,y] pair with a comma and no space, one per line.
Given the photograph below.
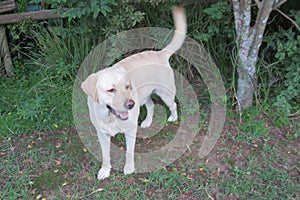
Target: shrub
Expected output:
[286,44]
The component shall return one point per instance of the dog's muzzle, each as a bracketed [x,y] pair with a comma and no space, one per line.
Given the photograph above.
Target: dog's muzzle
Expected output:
[123,115]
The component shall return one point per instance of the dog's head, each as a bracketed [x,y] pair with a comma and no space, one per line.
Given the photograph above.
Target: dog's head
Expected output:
[111,88]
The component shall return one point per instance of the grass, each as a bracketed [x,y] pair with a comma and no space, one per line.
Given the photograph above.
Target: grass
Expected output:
[32,101]
[56,165]
[69,172]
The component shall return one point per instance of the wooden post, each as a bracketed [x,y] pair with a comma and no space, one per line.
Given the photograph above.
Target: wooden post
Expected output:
[15,18]
[7,5]
[4,51]
[19,17]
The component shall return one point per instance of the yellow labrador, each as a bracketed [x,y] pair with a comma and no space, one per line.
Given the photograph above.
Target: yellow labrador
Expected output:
[115,94]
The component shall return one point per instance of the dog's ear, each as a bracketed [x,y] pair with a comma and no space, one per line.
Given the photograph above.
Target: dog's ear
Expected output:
[89,86]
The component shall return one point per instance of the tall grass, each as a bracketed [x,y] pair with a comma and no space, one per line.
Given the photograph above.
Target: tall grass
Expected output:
[61,50]
[38,97]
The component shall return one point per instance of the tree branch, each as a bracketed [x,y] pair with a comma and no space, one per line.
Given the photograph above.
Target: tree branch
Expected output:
[246,16]
[258,4]
[237,16]
[260,24]
[278,3]
[293,22]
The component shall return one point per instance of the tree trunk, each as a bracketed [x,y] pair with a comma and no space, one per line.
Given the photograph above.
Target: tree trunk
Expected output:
[246,86]
[249,40]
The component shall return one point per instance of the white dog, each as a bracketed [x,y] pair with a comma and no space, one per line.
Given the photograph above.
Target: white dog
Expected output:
[115,94]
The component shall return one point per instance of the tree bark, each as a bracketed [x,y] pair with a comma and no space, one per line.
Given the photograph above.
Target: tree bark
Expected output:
[249,40]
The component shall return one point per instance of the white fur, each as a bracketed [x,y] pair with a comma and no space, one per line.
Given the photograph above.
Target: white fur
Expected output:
[133,79]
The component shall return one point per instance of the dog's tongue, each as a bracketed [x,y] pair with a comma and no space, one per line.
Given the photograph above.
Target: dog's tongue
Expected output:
[123,115]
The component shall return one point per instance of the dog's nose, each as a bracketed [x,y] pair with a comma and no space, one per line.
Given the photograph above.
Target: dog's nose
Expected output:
[129,104]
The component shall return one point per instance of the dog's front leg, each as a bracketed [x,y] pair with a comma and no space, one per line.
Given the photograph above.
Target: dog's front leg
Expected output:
[130,144]
[104,139]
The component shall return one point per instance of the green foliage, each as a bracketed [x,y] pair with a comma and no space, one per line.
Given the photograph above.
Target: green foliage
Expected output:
[286,44]
[124,17]
[91,8]
[295,133]
[19,32]
[31,108]
[16,30]
[214,27]
[253,130]
[109,16]
[22,5]
[218,23]
[78,9]
[61,50]
[157,12]
[278,119]
[33,100]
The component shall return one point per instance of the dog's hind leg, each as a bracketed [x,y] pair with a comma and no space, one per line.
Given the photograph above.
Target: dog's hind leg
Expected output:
[168,98]
[150,110]
[173,108]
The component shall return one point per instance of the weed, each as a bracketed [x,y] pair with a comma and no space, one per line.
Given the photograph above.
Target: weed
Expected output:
[253,130]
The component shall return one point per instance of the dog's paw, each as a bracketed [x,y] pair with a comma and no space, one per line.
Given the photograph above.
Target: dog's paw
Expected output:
[146,123]
[103,173]
[172,118]
[128,169]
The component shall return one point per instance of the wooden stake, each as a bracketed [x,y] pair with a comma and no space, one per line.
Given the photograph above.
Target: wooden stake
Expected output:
[4,52]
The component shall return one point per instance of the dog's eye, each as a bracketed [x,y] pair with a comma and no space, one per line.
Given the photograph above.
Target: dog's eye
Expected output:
[128,87]
[113,90]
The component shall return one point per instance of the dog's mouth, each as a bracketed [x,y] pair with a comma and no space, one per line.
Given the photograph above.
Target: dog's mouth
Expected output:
[119,114]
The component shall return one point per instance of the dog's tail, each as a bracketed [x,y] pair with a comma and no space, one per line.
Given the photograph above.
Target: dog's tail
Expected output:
[180,31]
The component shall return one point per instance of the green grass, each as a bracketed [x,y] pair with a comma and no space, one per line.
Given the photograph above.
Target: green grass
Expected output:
[33,100]
[56,166]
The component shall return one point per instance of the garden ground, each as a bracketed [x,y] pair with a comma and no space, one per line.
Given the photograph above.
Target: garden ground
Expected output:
[254,160]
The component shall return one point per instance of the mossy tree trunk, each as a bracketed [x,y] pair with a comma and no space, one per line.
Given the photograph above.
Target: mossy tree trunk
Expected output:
[249,39]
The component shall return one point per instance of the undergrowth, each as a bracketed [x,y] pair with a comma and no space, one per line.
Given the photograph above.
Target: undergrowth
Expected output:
[33,100]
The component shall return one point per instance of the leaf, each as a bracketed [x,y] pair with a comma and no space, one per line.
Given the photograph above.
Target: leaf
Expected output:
[130,181]
[96,13]
[58,162]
